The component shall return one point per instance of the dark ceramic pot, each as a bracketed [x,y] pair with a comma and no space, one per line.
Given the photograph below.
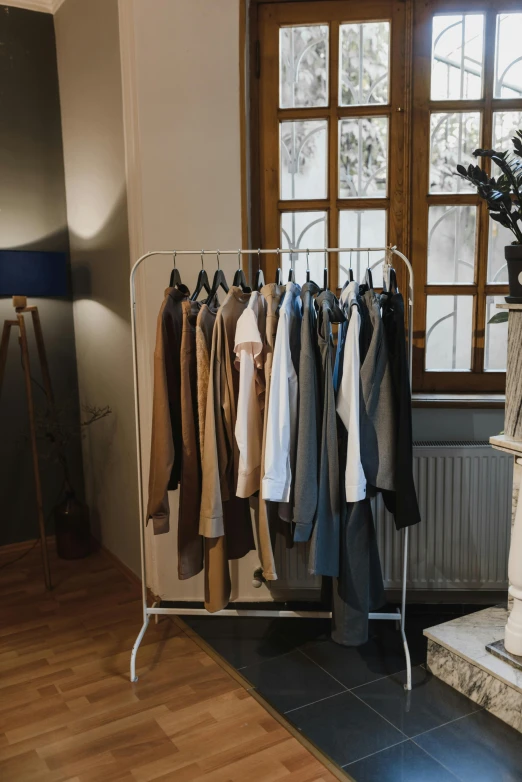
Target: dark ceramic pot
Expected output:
[73,532]
[513,254]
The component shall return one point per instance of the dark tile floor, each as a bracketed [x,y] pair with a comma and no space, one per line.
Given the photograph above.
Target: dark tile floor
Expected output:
[351,703]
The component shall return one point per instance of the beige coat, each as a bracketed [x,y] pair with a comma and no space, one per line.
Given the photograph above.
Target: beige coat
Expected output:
[222,513]
[217,575]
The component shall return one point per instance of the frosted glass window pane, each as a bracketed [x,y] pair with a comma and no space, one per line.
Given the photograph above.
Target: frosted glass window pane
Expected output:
[505,123]
[495,355]
[303,66]
[448,333]
[457,57]
[359,228]
[453,138]
[302,230]
[451,244]
[499,237]
[363,157]
[508,65]
[364,61]
[303,148]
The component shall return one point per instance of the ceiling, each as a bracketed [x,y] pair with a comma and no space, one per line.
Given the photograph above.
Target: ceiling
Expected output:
[47,6]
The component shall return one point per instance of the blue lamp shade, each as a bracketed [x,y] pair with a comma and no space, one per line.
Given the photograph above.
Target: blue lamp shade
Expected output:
[28,273]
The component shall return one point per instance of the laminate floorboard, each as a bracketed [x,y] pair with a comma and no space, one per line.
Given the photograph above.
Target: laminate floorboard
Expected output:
[68,712]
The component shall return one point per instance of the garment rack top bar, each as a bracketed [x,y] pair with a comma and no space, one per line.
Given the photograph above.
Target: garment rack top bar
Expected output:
[275,251]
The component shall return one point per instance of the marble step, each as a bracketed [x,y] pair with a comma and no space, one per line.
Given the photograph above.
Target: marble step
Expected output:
[457,654]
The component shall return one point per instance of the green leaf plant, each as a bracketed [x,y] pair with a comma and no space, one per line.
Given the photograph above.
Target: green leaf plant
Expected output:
[503,194]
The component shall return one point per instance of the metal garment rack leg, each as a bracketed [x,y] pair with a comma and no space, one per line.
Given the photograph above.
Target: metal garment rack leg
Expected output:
[155,610]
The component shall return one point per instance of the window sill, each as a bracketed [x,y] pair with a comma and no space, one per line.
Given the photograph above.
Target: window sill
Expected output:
[483,401]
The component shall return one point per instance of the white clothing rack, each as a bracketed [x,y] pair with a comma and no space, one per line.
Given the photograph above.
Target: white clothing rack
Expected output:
[157,609]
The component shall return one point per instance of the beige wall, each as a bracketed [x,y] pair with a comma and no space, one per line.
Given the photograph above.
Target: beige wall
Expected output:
[87,39]
[187,112]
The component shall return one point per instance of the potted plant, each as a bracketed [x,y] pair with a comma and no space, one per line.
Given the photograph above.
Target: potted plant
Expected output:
[503,195]
[57,427]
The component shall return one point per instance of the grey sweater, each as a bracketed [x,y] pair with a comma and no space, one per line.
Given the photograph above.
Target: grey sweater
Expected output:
[324,553]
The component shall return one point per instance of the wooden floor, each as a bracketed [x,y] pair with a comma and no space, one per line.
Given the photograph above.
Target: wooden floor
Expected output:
[69,712]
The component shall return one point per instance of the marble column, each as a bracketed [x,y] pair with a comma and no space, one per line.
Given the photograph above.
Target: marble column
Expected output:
[511,442]
[513,420]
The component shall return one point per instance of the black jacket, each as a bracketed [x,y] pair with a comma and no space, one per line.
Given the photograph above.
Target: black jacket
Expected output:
[403,501]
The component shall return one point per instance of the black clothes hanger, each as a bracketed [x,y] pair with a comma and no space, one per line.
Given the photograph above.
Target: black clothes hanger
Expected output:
[259,279]
[202,282]
[291,273]
[219,281]
[392,286]
[325,273]
[279,271]
[240,280]
[368,277]
[350,273]
[308,265]
[175,277]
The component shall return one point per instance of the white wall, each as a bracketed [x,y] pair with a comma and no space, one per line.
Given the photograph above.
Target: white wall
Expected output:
[89,69]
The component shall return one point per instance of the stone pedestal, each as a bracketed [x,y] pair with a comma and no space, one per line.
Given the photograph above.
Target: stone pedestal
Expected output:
[481,654]
[457,654]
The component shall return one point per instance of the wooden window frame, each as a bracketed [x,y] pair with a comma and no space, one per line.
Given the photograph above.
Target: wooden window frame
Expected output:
[475,380]
[408,110]
[273,15]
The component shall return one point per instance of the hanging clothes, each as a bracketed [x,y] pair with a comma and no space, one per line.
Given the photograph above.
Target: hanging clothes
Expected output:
[378,427]
[190,543]
[349,394]
[281,430]
[403,502]
[309,430]
[166,446]
[204,328]
[359,588]
[222,512]
[324,551]
[217,584]
[272,294]
[250,356]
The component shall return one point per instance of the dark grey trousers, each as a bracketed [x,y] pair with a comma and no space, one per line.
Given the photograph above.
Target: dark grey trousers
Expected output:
[359,588]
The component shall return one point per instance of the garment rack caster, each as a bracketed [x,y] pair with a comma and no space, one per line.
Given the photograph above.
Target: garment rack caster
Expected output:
[156,608]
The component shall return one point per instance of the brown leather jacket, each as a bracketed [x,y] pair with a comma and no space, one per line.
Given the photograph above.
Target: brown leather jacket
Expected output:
[166,445]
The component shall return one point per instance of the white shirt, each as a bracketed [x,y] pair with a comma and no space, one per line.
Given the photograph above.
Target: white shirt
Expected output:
[281,429]
[249,361]
[348,396]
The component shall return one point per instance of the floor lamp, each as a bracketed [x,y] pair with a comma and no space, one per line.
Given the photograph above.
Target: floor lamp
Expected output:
[39,274]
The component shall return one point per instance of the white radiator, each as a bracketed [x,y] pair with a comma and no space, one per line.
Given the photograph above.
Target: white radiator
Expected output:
[462,542]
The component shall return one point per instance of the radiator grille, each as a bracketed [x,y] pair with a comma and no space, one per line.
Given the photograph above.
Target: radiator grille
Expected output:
[464,491]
